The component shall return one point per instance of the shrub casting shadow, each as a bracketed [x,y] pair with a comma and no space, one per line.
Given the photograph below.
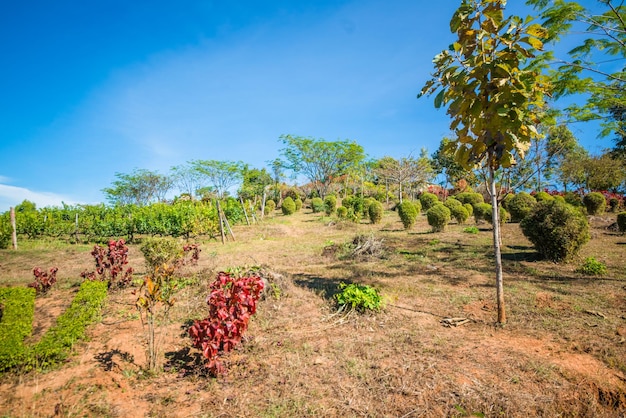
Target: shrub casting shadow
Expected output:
[106,359]
[185,362]
[327,288]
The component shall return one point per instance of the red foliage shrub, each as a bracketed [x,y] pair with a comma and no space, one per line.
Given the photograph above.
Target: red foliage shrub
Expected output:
[43,281]
[232,302]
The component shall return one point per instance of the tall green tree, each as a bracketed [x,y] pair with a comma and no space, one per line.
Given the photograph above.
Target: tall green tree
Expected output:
[186,178]
[444,163]
[603,172]
[540,167]
[219,176]
[254,182]
[140,187]
[494,92]
[320,161]
[406,171]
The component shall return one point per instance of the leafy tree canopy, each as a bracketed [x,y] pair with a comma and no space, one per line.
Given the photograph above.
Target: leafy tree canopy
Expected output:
[320,161]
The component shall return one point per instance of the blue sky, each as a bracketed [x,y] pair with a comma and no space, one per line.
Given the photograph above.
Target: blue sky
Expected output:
[92,88]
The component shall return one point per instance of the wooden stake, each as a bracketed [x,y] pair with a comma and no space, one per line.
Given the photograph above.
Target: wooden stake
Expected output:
[245,212]
[14,228]
[221,221]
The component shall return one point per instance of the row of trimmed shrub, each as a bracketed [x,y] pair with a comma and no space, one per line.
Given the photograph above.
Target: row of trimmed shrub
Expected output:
[57,342]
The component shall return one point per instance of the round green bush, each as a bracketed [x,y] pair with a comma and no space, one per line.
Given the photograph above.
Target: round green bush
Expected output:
[452,202]
[595,203]
[460,213]
[481,211]
[355,203]
[520,205]
[470,197]
[469,208]
[558,231]
[342,212]
[270,206]
[543,196]
[317,205]
[289,206]
[418,206]
[614,204]
[621,221]
[158,252]
[375,212]
[298,203]
[330,204]
[573,199]
[559,198]
[438,217]
[407,213]
[428,200]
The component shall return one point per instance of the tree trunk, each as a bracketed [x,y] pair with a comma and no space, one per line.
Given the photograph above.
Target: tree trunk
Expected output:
[495,216]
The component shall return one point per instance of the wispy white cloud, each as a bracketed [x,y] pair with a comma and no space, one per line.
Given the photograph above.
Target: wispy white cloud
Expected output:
[12,196]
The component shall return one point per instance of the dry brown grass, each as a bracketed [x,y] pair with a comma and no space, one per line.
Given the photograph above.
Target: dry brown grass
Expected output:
[556,356]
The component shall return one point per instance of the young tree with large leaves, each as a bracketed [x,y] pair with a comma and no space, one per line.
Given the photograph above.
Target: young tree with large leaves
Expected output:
[494,91]
[320,161]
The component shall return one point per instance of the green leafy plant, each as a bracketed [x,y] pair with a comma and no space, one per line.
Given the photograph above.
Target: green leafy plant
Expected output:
[592,267]
[359,297]
[18,309]
[58,341]
[156,297]
[471,230]
[342,212]
[298,203]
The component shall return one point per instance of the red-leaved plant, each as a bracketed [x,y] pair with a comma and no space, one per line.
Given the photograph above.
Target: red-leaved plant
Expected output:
[43,281]
[232,302]
[110,262]
[194,251]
